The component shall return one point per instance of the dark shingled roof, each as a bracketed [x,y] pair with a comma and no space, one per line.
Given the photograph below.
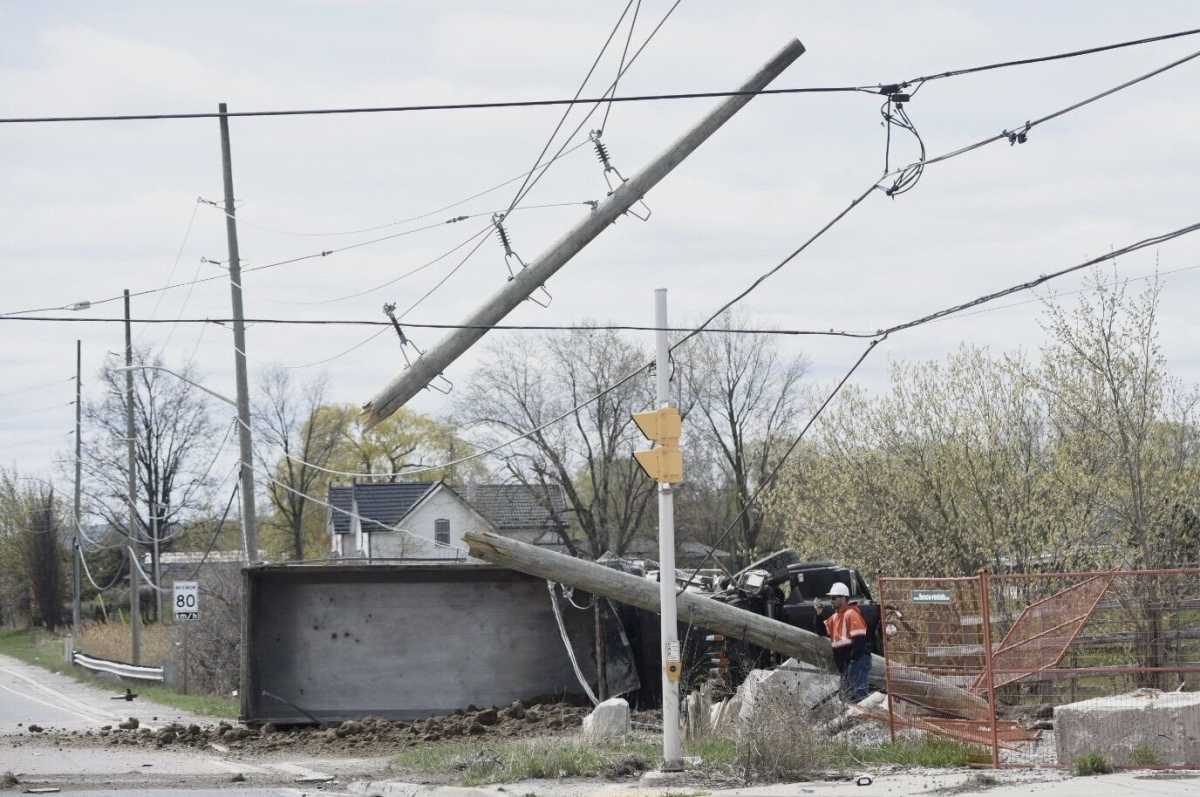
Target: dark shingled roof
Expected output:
[340,497]
[515,506]
[384,503]
[388,502]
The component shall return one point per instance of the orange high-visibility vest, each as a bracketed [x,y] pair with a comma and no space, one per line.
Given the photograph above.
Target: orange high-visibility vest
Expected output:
[844,625]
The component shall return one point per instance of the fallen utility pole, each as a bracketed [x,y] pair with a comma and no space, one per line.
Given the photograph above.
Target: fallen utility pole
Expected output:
[914,686]
[430,365]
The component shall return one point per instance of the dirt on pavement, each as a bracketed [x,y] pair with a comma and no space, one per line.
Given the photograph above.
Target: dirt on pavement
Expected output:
[369,736]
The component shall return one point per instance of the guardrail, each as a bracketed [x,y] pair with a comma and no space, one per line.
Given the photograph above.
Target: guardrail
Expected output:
[119,668]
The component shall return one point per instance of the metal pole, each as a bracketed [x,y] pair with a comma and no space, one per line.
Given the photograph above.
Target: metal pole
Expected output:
[672,664]
[433,362]
[157,570]
[135,586]
[78,481]
[985,612]
[249,526]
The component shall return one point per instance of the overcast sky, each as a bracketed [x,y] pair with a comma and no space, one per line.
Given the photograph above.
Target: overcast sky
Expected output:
[91,208]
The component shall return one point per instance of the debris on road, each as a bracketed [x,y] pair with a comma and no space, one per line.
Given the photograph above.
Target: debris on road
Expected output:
[370,735]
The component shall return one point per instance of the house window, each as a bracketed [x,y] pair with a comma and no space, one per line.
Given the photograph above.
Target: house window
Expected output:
[441,531]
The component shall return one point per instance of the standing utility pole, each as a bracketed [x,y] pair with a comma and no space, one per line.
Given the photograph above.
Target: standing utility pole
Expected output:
[249,527]
[135,585]
[433,362]
[78,476]
[671,655]
[157,569]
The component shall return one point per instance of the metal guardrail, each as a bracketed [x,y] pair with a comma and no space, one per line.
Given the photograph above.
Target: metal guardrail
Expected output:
[135,671]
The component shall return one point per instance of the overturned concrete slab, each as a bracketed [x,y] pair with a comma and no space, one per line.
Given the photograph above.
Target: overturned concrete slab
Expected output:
[1162,728]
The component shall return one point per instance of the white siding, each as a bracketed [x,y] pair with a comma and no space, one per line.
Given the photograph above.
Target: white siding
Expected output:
[420,543]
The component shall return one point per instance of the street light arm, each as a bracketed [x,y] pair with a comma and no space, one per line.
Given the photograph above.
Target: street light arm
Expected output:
[181,377]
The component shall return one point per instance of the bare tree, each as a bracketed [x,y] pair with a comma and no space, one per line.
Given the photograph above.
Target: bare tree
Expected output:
[176,443]
[30,551]
[293,421]
[527,381]
[746,397]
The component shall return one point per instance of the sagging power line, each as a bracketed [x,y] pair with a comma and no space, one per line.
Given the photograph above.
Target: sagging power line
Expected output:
[861,88]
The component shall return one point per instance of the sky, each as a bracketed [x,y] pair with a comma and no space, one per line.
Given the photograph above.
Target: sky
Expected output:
[92,208]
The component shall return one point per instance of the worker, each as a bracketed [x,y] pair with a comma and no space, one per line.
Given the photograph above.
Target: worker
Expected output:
[847,631]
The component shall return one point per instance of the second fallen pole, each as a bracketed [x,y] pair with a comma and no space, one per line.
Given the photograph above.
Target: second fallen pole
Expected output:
[915,686]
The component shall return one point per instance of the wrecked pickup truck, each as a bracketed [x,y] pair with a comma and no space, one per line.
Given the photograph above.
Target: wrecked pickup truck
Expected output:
[780,586]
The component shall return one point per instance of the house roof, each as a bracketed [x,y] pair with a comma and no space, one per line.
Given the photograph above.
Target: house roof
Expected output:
[380,505]
[517,506]
[341,497]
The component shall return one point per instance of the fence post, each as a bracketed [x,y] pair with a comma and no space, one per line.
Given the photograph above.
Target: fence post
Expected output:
[985,619]
[887,663]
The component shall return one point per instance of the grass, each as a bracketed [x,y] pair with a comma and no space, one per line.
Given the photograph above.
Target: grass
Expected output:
[1144,756]
[929,751]
[505,762]
[111,641]
[1092,764]
[46,651]
[482,763]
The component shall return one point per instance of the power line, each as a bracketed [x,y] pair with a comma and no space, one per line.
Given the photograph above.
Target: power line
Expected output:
[650,37]
[1056,57]
[495,327]
[409,219]
[87,303]
[621,66]
[867,88]
[563,118]
[779,465]
[820,232]
[410,308]
[217,532]
[40,386]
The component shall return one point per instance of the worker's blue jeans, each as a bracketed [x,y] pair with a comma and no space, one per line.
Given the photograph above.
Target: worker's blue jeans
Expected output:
[856,678]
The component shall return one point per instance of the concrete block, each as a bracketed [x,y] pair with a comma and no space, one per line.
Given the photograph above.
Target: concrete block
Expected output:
[790,694]
[609,720]
[1164,723]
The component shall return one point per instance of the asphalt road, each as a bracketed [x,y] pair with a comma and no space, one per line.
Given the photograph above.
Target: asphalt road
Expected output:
[30,694]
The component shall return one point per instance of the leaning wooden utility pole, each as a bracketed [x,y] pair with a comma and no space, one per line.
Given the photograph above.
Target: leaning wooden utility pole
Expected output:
[704,612]
[78,482]
[431,364]
[249,525]
[135,585]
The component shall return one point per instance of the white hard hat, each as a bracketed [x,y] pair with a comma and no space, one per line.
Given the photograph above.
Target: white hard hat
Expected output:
[838,589]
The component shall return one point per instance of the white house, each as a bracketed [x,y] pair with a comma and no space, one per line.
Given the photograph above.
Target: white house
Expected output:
[427,520]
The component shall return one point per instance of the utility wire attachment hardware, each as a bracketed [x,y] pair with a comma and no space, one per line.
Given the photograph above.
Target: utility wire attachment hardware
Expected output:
[895,115]
[510,256]
[445,386]
[610,170]
[1018,136]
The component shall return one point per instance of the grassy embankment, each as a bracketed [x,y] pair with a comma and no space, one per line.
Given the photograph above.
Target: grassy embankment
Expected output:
[46,650]
[479,763]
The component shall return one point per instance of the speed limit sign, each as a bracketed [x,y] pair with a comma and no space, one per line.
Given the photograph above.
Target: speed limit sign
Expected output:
[187,600]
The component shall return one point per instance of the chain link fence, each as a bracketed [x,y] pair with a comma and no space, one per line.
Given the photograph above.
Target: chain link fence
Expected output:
[1073,667]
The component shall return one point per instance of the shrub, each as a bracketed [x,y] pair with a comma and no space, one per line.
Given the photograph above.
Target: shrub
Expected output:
[1144,756]
[1092,764]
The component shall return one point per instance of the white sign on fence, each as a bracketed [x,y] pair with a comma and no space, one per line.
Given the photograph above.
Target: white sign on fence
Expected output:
[187,600]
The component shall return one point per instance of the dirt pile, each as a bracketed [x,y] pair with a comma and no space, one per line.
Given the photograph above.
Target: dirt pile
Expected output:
[370,735]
